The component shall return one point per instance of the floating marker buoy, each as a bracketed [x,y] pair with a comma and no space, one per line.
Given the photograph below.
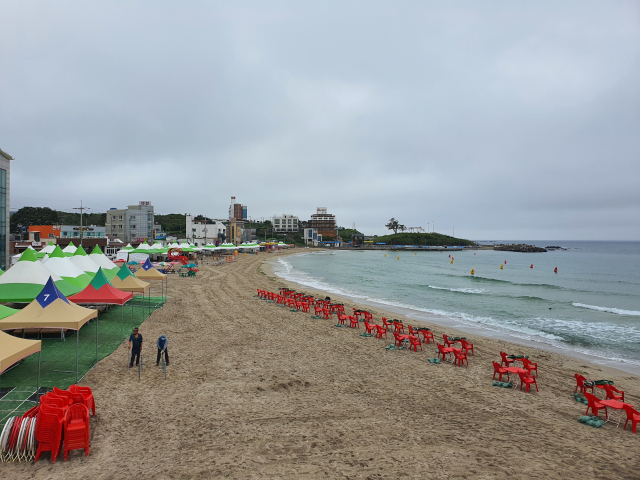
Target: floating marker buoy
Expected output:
[555,270]
[531,266]
[385,254]
[451,261]
[398,258]
[415,253]
[505,262]
[473,271]
[501,267]
[474,253]
[449,256]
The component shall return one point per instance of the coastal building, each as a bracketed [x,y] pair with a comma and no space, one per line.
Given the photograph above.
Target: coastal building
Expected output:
[237,210]
[5,170]
[204,231]
[323,222]
[285,224]
[311,237]
[132,224]
[45,233]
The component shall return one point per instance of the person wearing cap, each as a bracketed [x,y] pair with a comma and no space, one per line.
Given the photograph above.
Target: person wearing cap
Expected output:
[162,347]
[135,345]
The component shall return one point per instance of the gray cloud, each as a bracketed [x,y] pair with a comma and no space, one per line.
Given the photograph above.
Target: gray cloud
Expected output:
[508,120]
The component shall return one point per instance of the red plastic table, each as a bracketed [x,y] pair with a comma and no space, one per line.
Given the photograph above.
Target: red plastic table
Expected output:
[616,405]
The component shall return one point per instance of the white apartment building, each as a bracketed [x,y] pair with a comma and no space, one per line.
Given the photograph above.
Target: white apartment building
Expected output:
[285,224]
[133,224]
[202,233]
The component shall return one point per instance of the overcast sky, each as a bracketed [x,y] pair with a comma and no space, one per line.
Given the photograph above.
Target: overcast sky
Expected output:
[509,120]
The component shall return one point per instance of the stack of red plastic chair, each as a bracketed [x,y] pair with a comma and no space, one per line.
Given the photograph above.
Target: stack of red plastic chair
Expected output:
[87,396]
[49,430]
[76,429]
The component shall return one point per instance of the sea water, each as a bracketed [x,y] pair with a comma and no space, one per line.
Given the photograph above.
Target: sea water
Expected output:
[591,306]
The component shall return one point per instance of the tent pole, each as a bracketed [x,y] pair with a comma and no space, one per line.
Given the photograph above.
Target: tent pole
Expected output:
[97,321]
[121,319]
[77,349]
[38,385]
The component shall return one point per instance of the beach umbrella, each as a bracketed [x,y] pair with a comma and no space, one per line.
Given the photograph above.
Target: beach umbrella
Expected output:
[66,269]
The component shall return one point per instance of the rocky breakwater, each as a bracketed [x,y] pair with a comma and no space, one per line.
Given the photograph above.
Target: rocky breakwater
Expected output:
[520,247]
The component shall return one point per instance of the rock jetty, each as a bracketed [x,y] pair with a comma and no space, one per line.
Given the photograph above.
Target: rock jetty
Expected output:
[520,247]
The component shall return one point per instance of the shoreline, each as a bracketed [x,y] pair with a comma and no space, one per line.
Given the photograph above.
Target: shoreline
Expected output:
[454,325]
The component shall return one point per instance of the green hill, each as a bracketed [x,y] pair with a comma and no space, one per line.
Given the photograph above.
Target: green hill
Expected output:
[422,239]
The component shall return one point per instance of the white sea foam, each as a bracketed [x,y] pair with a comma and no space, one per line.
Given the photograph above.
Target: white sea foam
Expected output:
[461,290]
[632,313]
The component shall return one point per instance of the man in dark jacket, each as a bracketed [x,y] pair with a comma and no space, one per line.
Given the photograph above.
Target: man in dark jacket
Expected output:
[162,347]
[135,345]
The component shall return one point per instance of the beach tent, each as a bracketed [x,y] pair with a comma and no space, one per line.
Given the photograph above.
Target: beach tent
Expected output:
[69,249]
[127,281]
[23,282]
[142,248]
[51,309]
[84,263]
[49,248]
[100,290]
[7,312]
[128,248]
[108,267]
[228,246]
[149,272]
[14,349]
[66,269]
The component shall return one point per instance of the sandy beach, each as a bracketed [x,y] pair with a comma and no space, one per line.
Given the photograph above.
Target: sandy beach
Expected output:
[257,391]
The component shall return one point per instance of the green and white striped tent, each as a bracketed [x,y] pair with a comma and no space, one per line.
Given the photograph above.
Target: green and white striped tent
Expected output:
[109,268]
[84,263]
[66,269]
[69,250]
[25,280]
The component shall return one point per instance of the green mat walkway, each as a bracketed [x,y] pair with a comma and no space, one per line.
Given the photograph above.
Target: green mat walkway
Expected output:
[58,357]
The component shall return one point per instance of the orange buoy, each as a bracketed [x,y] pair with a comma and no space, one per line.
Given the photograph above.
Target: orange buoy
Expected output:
[555,270]
[449,256]
[473,271]
[505,262]
[531,266]
[501,267]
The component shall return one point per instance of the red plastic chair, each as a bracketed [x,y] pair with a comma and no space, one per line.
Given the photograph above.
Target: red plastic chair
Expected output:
[466,346]
[398,339]
[367,316]
[443,351]
[530,366]
[353,322]
[412,331]
[49,431]
[415,343]
[398,327]
[594,405]
[76,429]
[497,369]
[343,319]
[528,380]
[381,331]
[326,314]
[611,393]
[71,397]
[87,396]
[461,356]
[506,362]
[580,384]
[446,341]
[427,336]
[633,415]
[386,323]
[369,327]
[305,307]
[318,310]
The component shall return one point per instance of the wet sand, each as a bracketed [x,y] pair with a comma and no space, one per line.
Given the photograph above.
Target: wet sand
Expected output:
[257,391]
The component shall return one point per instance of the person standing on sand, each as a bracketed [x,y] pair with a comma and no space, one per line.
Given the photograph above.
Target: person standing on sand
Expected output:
[162,347]
[135,345]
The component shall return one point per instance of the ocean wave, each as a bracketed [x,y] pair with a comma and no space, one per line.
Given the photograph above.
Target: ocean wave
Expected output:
[618,311]
[460,290]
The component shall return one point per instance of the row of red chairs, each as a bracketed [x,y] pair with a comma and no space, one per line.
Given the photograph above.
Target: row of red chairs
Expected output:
[525,378]
[63,420]
[526,363]
[611,393]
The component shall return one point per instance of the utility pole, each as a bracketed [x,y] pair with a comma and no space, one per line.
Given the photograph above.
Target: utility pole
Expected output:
[81,208]
[454,231]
